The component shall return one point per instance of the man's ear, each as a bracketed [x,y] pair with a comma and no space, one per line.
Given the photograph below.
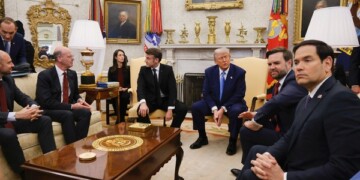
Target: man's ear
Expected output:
[328,62]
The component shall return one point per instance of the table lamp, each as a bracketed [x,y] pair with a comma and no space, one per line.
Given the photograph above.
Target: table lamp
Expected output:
[334,26]
[86,35]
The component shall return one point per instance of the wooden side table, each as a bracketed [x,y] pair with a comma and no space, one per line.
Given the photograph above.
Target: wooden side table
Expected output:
[98,94]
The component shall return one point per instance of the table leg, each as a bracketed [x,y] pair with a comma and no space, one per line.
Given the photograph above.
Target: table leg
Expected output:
[179,157]
[118,107]
[98,104]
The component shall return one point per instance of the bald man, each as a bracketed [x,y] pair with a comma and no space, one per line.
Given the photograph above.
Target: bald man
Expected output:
[58,94]
[124,28]
[27,120]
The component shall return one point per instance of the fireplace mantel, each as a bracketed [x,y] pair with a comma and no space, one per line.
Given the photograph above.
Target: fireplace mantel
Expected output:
[195,58]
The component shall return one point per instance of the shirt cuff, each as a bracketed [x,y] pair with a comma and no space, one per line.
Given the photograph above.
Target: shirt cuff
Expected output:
[142,101]
[225,110]
[285,175]
[171,107]
[213,109]
[11,116]
[256,123]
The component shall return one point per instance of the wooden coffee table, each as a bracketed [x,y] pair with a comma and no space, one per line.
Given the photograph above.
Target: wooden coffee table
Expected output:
[160,144]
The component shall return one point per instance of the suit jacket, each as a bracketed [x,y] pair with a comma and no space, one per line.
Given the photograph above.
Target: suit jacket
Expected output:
[127,31]
[234,87]
[113,76]
[167,84]
[13,93]
[17,50]
[283,104]
[323,141]
[48,90]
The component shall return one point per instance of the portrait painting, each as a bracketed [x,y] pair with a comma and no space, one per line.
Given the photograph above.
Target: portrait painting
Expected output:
[213,4]
[303,12]
[122,21]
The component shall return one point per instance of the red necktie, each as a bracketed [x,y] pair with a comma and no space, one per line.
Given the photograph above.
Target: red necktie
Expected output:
[65,89]
[3,103]
[276,91]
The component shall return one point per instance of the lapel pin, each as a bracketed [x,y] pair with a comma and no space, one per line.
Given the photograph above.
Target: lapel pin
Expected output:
[230,77]
[319,96]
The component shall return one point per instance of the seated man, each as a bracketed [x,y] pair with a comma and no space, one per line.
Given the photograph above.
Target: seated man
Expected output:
[27,120]
[157,90]
[321,143]
[58,94]
[274,119]
[223,93]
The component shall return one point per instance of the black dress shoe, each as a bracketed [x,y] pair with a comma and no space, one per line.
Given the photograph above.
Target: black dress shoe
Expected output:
[235,172]
[231,149]
[199,142]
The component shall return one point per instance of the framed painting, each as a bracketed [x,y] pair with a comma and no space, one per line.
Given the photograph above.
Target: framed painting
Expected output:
[2,9]
[213,4]
[122,21]
[303,13]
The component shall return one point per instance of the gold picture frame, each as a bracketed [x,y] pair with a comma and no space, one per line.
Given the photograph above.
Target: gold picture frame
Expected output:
[303,13]
[122,33]
[2,9]
[213,4]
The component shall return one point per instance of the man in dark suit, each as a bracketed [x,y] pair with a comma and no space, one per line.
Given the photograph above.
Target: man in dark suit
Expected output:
[13,43]
[27,120]
[157,90]
[274,119]
[321,144]
[57,92]
[124,29]
[223,93]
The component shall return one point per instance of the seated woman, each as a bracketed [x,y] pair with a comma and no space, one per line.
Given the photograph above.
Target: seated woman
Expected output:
[120,72]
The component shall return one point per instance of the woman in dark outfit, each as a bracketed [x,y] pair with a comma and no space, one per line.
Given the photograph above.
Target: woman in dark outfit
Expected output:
[120,72]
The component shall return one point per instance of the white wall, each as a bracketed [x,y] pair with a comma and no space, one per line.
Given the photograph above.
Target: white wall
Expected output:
[254,14]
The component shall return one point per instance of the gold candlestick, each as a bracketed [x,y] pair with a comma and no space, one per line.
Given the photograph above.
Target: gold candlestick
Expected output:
[212,34]
[259,37]
[227,31]
[169,34]
[197,32]
[242,34]
[184,34]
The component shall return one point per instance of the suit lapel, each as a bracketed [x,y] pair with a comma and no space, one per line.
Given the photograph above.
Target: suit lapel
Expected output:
[311,106]
[55,76]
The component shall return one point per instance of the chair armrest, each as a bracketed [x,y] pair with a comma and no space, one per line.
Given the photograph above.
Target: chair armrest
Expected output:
[260,97]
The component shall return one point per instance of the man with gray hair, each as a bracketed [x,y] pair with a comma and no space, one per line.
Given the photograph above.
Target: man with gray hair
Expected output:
[223,93]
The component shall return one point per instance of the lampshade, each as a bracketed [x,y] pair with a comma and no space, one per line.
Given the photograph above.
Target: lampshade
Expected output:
[86,34]
[334,26]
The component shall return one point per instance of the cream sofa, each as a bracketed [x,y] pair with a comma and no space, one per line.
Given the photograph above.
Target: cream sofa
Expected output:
[29,141]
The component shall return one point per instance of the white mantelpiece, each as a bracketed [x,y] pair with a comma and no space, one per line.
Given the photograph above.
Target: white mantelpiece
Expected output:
[195,58]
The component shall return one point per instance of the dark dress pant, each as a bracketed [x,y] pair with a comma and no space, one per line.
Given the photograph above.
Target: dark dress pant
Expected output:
[200,109]
[74,123]
[124,101]
[179,112]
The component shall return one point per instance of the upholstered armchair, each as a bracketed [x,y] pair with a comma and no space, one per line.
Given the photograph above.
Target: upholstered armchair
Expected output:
[255,79]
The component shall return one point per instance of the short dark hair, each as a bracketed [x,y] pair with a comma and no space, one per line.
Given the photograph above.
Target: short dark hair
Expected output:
[155,52]
[323,50]
[286,53]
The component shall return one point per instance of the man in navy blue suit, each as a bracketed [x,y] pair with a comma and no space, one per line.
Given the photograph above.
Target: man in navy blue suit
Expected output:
[274,119]
[322,142]
[13,43]
[223,93]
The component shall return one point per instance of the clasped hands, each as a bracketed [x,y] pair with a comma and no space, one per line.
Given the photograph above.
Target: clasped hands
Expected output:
[266,167]
[81,104]
[144,110]
[252,125]
[218,115]
[29,113]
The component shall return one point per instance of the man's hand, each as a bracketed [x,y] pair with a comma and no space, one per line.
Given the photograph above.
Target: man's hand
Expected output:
[28,113]
[247,115]
[143,110]
[355,89]
[266,167]
[84,103]
[252,125]
[169,115]
[218,115]
[81,105]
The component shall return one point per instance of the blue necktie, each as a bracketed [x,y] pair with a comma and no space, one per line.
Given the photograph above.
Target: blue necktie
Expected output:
[7,47]
[222,81]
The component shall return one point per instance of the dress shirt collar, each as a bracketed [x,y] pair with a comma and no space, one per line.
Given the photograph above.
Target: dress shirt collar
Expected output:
[226,71]
[282,80]
[313,92]
[59,71]
[157,68]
